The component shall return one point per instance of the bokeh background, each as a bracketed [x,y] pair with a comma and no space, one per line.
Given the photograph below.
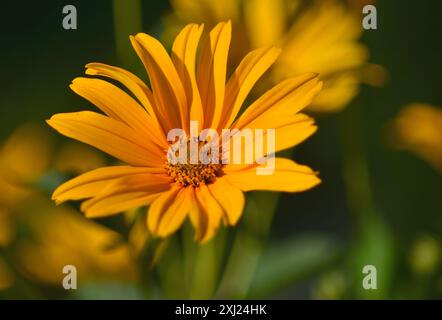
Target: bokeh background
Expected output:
[377,205]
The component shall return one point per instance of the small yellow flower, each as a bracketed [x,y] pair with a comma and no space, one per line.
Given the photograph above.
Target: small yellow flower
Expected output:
[134,130]
[418,128]
[24,156]
[425,255]
[317,35]
[63,237]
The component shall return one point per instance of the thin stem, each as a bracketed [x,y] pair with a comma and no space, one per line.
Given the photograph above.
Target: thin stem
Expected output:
[127,21]
[249,243]
[374,243]
[355,166]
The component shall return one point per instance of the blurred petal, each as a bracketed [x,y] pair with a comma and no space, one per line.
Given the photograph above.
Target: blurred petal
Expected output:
[265,21]
[76,158]
[418,128]
[25,155]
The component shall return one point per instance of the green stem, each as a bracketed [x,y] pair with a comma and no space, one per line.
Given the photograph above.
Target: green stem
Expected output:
[249,244]
[374,243]
[127,21]
[202,263]
[355,166]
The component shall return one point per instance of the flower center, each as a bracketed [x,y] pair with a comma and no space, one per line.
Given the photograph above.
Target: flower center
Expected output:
[193,174]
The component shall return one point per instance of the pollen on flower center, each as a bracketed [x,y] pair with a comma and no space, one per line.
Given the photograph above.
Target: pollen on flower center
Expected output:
[193,174]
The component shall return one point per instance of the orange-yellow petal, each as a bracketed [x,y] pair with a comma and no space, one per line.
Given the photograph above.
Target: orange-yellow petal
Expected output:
[93,182]
[135,85]
[198,216]
[183,56]
[230,198]
[168,211]
[205,214]
[288,176]
[108,135]
[118,105]
[251,68]
[126,193]
[168,92]
[288,132]
[211,75]
[286,98]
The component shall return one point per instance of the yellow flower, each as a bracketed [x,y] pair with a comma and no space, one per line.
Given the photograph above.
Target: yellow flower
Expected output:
[64,237]
[23,158]
[418,128]
[320,36]
[134,130]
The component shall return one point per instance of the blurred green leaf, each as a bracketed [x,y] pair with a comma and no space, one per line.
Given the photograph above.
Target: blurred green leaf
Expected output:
[287,262]
[107,291]
[375,246]
[169,268]
[248,245]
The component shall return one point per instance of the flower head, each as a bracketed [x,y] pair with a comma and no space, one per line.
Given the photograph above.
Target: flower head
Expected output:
[187,93]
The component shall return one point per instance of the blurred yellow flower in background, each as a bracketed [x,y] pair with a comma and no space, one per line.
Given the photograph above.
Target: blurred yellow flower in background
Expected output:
[135,132]
[60,235]
[64,237]
[425,255]
[320,36]
[76,158]
[24,157]
[331,286]
[418,128]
